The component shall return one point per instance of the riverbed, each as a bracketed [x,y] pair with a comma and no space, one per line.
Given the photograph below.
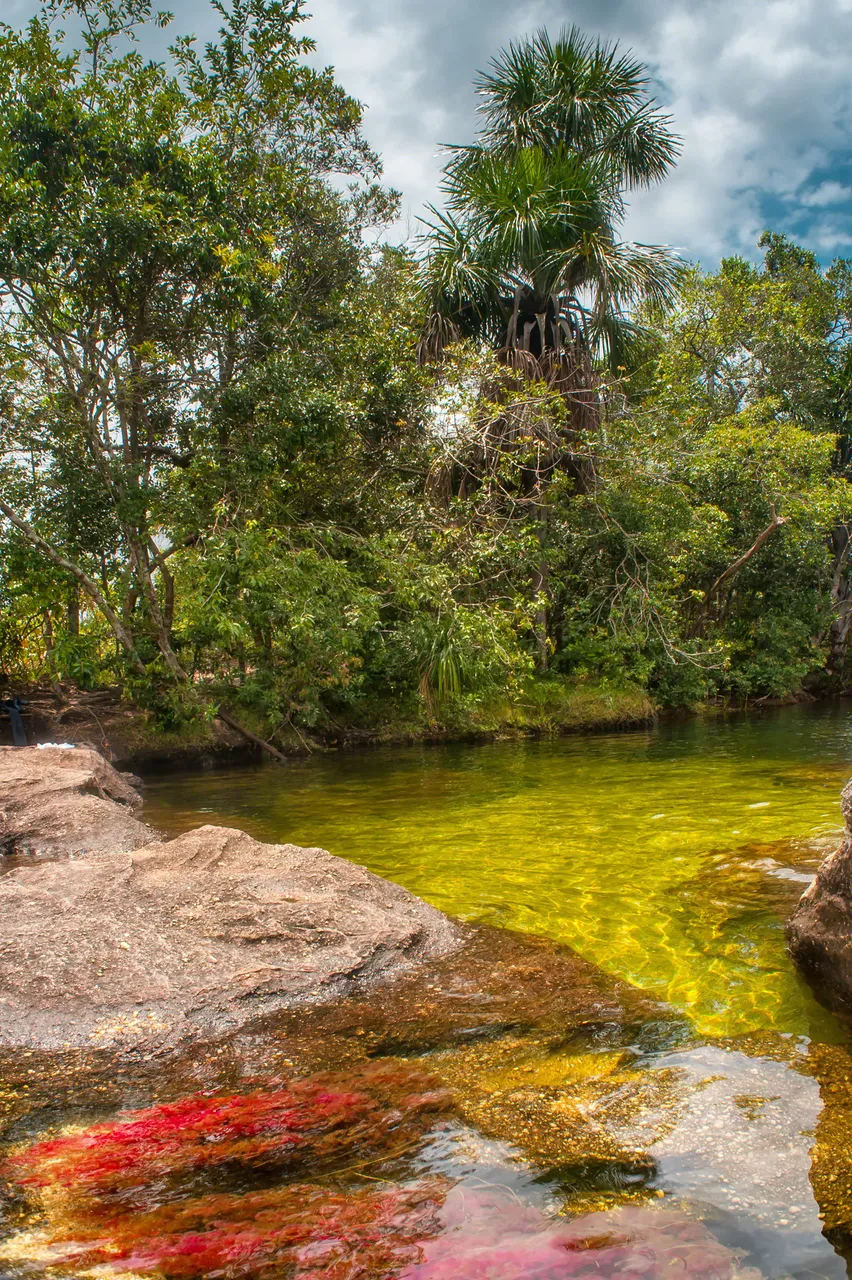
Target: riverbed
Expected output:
[691,1090]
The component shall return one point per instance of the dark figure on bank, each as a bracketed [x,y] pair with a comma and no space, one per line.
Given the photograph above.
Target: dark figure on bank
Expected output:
[14,707]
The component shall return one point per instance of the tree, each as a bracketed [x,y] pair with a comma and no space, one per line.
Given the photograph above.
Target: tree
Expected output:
[775,332]
[526,256]
[163,230]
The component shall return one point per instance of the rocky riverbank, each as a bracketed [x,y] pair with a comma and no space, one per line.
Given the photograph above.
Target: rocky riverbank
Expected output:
[169,942]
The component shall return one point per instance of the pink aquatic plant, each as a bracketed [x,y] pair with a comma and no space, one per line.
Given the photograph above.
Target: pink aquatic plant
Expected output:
[494,1238]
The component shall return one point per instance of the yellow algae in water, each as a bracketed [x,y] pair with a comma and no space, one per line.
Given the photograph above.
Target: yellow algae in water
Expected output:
[105,1271]
[554,1070]
[34,1249]
[831,1153]
[560,1109]
[567,840]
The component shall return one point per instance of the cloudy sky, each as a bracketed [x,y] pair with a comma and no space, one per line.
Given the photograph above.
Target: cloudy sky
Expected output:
[761,91]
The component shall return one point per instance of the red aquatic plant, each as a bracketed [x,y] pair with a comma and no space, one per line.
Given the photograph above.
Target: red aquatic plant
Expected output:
[304,1231]
[316,1119]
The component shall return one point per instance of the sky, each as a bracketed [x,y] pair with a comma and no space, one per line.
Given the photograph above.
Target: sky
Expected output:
[760,91]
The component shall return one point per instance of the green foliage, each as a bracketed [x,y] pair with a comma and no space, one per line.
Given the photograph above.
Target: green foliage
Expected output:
[226,479]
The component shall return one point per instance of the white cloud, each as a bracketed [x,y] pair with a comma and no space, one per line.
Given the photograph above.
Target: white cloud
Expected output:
[760,91]
[827,193]
[831,235]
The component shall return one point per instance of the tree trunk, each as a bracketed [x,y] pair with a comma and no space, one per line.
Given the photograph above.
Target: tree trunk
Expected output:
[841,599]
[50,653]
[72,615]
[249,736]
[541,578]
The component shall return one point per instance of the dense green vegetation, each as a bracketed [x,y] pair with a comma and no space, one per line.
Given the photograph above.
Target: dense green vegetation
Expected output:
[250,462]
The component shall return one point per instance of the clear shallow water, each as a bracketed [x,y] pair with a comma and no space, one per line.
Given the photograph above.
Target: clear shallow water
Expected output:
[669,858]
[713,1130]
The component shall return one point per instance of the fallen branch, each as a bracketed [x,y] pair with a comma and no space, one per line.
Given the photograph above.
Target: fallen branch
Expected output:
[249,736]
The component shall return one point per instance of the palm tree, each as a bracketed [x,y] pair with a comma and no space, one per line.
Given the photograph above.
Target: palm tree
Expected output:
[526,254]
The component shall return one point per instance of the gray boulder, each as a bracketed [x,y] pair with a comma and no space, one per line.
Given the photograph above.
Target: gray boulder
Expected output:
[819,933]
[193,937]
[58,803]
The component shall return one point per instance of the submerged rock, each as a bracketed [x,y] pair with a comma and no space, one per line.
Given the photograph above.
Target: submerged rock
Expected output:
[820,931]
[57,802]
[194,936]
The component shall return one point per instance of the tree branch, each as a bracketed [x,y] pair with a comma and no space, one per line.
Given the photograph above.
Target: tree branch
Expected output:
[170,455]
[760,541]
[249,736]
[88,584]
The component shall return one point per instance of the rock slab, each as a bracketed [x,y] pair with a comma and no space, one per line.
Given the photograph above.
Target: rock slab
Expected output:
[819,933]
[195,936]
[59,803]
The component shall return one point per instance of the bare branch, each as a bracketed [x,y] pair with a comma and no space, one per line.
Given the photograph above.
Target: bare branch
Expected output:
[760,541]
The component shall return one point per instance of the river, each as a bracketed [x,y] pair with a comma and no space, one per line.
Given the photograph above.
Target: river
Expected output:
[668,860]
[667,857]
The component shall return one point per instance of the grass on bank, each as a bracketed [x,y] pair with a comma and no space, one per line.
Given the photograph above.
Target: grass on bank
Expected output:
[539,708]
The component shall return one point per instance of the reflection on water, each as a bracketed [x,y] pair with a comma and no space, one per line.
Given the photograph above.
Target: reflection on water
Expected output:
[670,858]
[664,1100]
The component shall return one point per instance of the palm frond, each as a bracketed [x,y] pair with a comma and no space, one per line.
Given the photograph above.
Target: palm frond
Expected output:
[618,340]
[580,93]
[461,280]
[523,208]
[620,274]
[645,146]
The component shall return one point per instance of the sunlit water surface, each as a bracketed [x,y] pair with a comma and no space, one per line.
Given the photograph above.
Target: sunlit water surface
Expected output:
[670,858]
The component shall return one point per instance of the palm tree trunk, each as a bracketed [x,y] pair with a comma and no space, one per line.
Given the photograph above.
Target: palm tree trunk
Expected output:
[541,577]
